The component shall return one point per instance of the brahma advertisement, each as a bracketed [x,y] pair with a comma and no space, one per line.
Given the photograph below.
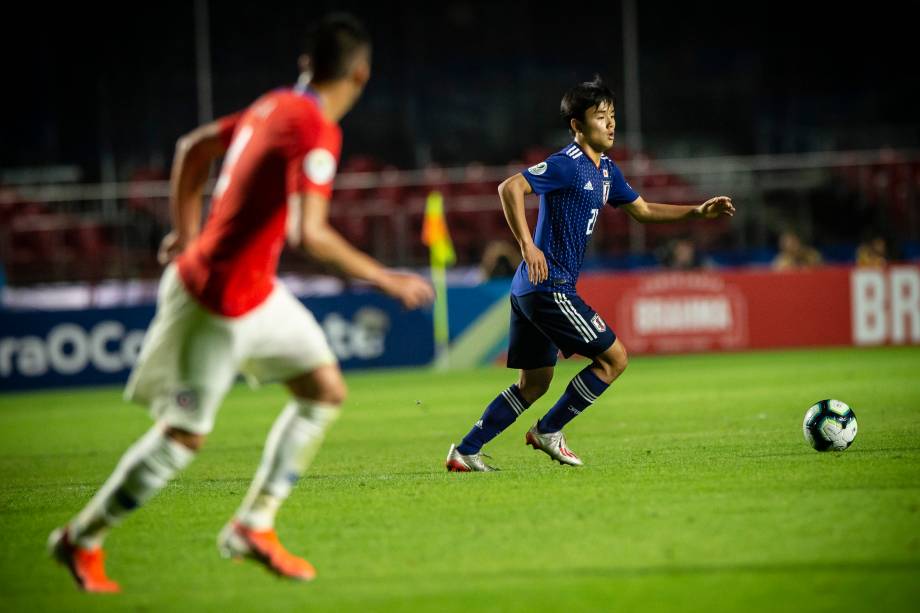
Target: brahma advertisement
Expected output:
[705,311]
[669,313]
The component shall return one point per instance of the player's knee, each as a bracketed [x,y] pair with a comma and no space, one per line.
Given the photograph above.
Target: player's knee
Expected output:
[532,388]
[533,392]
[334,393]
[331,389]
[613,362]
[189,440]
[619,361]
[325,385]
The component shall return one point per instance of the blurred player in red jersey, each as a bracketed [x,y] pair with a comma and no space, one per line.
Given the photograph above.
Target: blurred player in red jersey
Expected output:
[221,310]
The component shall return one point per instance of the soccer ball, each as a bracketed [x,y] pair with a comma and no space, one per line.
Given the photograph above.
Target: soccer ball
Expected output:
[830,425]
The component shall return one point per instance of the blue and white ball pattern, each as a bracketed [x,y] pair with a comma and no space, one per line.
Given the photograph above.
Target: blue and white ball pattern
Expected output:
[830,425]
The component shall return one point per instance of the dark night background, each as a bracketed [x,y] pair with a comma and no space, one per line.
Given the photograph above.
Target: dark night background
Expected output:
[459,81]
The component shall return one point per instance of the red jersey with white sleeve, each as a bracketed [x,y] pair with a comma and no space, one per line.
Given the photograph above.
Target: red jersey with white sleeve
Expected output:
[279,146]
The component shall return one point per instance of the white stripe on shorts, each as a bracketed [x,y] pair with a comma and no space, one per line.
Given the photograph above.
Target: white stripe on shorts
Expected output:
[588,327]
[577,321]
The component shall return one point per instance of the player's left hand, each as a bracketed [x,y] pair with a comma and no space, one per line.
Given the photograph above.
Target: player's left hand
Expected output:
[720,206]
[171,246]
[410,289]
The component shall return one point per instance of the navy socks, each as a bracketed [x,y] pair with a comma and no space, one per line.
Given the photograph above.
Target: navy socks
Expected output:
[500,414]
[580,393]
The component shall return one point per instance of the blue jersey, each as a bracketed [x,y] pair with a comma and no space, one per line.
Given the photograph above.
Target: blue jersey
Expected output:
[572,193]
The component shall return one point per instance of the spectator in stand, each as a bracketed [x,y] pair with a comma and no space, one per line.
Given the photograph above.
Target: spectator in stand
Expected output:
[793,253]
[681,254]
[149,217]
[499,260]
[873,252]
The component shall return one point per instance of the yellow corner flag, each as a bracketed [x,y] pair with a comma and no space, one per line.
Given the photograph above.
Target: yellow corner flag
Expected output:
[437,238]
[434,232]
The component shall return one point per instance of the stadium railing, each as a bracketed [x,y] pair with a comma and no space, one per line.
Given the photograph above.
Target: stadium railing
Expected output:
[93,232]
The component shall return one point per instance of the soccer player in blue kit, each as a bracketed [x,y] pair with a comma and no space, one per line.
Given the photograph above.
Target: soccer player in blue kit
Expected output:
[547,315]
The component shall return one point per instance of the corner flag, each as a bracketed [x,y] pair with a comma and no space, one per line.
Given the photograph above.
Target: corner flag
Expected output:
[434,232]
[437,238]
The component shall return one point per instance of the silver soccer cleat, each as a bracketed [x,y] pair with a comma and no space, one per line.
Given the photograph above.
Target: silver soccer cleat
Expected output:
[553,445]
[459,463]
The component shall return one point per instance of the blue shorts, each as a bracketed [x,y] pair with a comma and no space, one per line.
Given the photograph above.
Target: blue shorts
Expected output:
[544,323]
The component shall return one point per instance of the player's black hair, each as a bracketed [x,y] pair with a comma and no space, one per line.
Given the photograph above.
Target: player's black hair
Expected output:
[332,43]
[577,101]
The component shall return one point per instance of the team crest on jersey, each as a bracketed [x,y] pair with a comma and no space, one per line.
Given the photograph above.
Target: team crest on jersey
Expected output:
[187,400]
[538,169]
[605,173]
[319,166]
[606,188]
[598,323]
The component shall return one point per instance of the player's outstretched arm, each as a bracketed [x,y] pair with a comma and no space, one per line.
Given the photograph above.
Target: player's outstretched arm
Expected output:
[309,229]
[191,166]
[654,212]
[512,191]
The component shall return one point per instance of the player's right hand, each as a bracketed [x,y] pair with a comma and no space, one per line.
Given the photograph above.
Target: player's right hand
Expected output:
[410,289]
[537,269]
[171,246]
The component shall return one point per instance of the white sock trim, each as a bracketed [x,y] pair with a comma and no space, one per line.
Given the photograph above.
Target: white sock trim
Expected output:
[292,444]
[144,469]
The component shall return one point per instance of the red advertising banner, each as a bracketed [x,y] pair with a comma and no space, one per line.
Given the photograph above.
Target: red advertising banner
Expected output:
[759,309]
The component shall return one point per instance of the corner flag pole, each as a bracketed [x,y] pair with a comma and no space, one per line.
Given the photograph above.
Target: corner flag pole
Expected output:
[435,235]
[441,322]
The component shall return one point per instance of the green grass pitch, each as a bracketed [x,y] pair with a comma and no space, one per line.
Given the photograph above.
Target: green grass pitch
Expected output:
[699,494]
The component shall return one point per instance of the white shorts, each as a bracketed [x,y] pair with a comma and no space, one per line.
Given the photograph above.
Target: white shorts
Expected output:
[191,356]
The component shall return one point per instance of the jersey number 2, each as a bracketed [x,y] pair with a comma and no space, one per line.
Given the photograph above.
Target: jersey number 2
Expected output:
[592,221]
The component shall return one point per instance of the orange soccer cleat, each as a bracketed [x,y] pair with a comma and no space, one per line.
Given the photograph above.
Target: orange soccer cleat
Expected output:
[237,541]
[86,565]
